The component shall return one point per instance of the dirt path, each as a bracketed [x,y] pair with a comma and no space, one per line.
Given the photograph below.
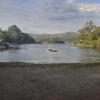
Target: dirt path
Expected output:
[20,81]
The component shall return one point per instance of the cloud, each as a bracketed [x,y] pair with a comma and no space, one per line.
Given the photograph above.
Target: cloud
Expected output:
[90,8]
[47,14]
[69,1]
[69,9]
[57,9]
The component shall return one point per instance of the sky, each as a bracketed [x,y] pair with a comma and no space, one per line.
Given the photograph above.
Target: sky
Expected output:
[48,16]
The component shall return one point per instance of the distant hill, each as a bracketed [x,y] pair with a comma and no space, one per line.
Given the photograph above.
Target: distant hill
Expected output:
[57,38]
[15,35]
[68,36]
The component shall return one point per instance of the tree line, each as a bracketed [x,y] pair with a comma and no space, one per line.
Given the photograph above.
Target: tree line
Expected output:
[15,35]
[89,36]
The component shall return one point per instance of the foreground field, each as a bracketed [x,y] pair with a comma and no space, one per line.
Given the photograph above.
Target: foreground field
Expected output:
[22,81]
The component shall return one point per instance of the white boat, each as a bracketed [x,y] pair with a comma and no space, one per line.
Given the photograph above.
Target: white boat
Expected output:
[50,48]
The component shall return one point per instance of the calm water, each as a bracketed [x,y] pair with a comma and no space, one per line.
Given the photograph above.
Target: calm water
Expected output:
[37,53]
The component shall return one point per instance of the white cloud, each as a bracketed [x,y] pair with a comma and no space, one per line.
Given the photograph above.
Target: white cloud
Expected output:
[90,8]
[47,14]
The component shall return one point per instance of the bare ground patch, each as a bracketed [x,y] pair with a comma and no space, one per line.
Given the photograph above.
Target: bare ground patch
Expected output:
[22,81]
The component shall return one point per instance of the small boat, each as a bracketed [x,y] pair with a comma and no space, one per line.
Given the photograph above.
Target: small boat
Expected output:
[52,50]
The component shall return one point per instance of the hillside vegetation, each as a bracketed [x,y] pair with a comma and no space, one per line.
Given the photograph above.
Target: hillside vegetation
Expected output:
[15,35]
[56,38]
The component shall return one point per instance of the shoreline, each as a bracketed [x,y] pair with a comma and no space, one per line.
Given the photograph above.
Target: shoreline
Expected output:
[22,64]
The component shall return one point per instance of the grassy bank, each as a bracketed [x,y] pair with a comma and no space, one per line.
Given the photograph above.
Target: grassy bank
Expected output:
[26,81]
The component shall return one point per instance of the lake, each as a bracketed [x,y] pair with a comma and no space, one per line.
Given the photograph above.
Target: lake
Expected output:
[37,53]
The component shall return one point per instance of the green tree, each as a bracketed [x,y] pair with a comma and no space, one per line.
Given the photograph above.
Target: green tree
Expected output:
[88,35]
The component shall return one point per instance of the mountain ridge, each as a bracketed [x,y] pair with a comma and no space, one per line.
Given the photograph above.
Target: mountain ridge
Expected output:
[59,37]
